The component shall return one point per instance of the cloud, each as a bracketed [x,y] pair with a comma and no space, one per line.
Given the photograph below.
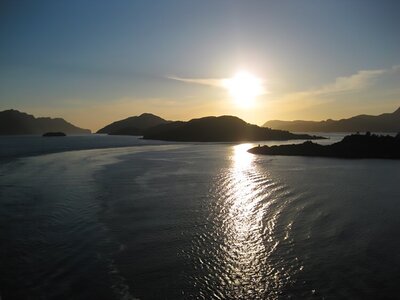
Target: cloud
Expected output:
[358,82]
[243,85]
[345,84]
[214,82]
[372,91]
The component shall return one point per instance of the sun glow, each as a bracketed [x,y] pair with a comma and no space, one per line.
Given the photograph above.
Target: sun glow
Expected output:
[244,88]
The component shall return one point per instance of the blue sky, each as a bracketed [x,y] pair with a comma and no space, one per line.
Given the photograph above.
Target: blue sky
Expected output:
[113,59]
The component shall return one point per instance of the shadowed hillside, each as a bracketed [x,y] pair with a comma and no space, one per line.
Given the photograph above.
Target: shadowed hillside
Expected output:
[388,122]
[133,125]
[15,122]
[218,129]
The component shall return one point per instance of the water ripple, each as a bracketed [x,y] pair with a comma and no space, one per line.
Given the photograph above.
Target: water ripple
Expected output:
[234,252]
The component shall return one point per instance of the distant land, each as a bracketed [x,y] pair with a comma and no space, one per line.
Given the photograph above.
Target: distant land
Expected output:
[16,122]
[352,146]
[388,122]
[133,125]
[218,129]
[54,134]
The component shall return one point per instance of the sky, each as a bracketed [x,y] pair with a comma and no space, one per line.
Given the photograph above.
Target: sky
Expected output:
[94,62]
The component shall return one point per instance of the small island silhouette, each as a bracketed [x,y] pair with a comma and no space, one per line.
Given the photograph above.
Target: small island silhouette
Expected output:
[352,146]
[48,134]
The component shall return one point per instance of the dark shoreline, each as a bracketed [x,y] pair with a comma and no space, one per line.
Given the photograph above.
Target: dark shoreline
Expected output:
[351,146]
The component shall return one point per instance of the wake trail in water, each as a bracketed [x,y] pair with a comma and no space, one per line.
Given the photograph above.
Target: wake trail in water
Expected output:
[49,221]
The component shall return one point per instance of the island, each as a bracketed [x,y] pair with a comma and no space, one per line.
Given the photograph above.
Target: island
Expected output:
[352,146]
[49,134]
[219,129]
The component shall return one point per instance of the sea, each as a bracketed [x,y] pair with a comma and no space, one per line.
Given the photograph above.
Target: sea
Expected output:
[118,217]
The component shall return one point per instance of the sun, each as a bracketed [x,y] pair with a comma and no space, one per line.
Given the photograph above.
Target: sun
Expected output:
[244,88]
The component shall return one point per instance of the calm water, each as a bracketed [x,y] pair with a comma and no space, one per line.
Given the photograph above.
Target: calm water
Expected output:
[195,221]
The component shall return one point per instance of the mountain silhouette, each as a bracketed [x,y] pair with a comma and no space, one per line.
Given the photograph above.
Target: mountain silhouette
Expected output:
[16,122]
[133,125]
[388,122]
[352,146]
[218,129]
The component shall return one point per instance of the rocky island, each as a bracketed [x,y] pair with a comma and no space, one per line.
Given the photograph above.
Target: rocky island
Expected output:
[352,146]
[219,129]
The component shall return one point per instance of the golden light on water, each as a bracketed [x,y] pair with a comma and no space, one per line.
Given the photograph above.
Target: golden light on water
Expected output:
[248,227]
[243,204]
[243,231]
[243,238]
[241,158]
[244,88]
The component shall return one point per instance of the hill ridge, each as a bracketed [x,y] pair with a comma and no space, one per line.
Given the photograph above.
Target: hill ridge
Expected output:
[218,129]
[14,122]
[386,122]
[134,125]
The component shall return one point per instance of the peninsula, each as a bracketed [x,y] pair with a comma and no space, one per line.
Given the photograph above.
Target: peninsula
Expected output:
[352,146]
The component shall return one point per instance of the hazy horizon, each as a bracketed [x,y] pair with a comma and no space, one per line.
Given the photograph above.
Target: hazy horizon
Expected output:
[93,63]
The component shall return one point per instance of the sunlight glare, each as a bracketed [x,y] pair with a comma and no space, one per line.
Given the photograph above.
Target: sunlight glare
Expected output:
[244,88]
[241,158]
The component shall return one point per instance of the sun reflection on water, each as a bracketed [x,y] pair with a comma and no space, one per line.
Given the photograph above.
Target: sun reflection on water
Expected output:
[238,250]
[242,160]
[247,234]
[243,227]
